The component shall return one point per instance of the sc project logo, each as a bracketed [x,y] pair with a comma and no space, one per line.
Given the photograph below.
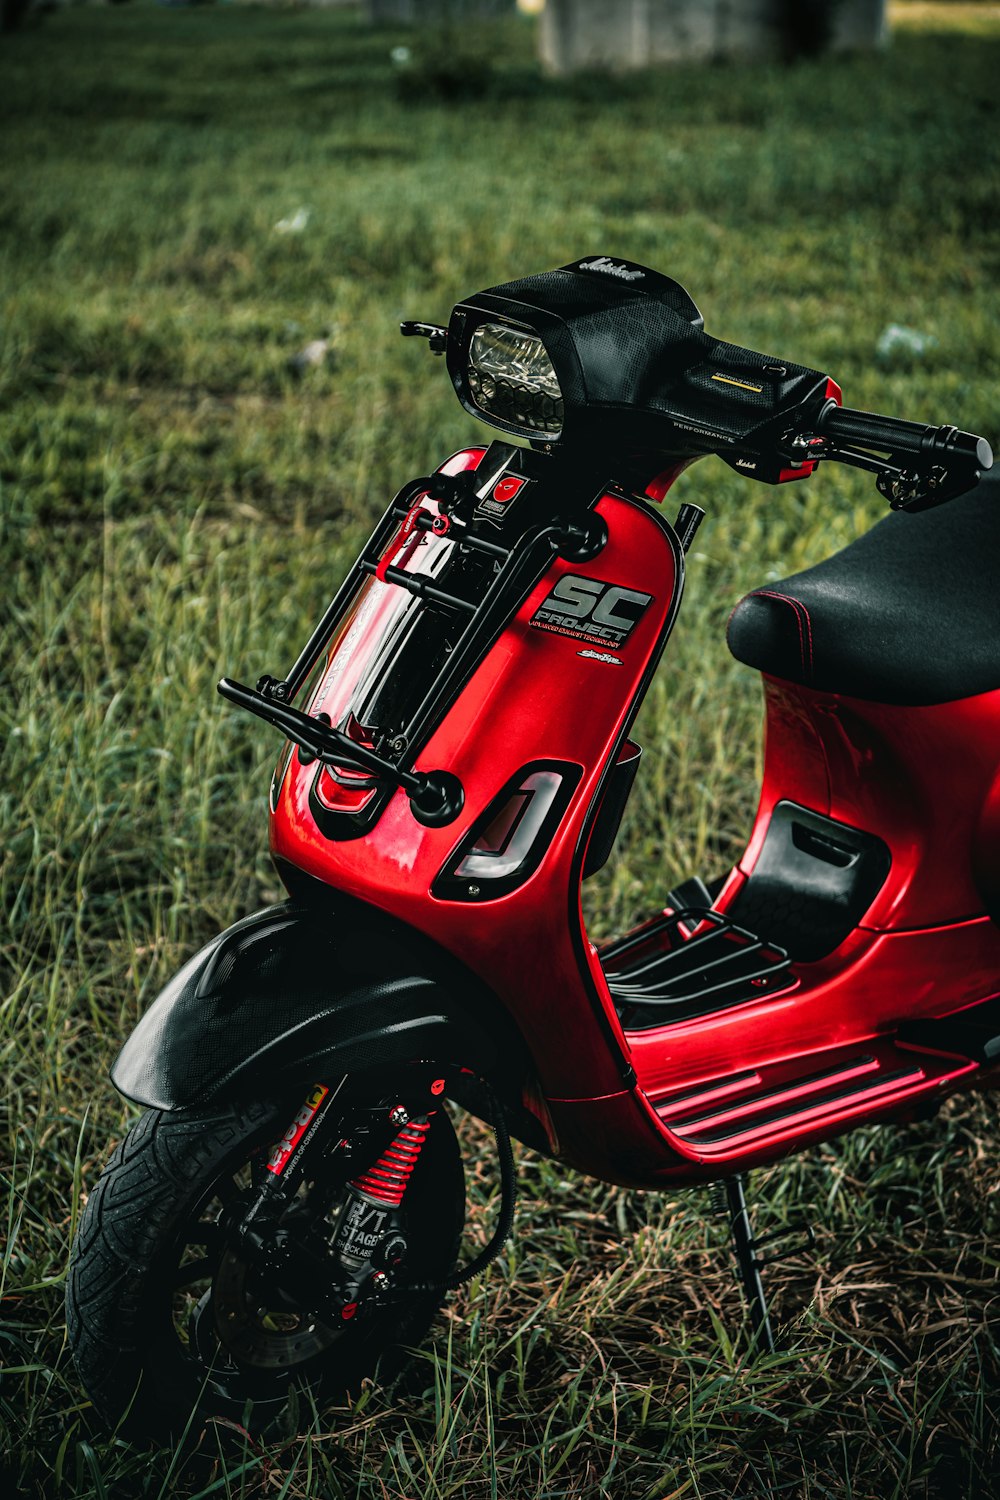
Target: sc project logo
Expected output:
[592,610]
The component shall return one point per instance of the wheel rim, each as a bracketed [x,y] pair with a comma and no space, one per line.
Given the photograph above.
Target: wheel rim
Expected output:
[222,1316]
[243,1343]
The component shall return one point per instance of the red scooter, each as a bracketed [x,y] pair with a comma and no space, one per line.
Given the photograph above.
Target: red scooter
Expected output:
[456,762]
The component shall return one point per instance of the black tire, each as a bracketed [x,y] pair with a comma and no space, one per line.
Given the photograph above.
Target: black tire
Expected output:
[145,1349]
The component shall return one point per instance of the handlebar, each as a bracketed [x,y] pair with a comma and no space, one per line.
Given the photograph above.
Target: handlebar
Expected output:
[926,465]
[941,444]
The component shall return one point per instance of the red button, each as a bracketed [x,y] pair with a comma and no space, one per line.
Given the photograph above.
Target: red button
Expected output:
[506,489]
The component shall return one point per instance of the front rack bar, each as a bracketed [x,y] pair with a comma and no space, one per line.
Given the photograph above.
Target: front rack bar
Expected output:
[519,568]
[425,522]
[436,797]
[286,690]
[418,586]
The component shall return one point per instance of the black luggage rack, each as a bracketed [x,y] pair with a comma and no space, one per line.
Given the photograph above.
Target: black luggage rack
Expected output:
[436,797]
[690,963]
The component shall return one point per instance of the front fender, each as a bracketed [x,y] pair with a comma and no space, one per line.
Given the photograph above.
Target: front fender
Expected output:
[297,989]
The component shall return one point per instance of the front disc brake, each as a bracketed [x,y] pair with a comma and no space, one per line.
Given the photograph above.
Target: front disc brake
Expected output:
[262,1330]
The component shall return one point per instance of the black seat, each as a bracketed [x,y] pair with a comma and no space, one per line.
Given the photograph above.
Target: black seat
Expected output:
[909,613]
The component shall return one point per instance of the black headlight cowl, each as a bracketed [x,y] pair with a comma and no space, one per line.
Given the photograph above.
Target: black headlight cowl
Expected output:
[626,351]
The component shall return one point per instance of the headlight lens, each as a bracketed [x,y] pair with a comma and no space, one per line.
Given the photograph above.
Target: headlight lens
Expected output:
[511,377]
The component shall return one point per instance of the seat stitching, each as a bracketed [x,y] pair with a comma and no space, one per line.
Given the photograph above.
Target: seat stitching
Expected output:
[809,632]
[796,605]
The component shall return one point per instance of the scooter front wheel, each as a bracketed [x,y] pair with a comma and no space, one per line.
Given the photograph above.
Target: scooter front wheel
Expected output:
[170,1326]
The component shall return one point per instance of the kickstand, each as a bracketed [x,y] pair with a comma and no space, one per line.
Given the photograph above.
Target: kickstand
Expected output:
[729,1198]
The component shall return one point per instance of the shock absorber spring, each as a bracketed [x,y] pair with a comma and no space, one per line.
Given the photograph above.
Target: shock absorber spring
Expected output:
[387,1180]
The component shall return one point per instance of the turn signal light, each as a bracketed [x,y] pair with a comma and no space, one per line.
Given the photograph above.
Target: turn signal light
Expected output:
[506,844]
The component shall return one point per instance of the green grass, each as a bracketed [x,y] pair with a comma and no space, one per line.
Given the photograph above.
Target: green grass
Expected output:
[175,504]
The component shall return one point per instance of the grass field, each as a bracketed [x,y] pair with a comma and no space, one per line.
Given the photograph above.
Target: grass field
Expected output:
[177,502]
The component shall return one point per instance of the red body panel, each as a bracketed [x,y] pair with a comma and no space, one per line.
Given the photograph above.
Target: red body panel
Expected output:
[777,1072]
[533,697]
[870,986]
[922,778]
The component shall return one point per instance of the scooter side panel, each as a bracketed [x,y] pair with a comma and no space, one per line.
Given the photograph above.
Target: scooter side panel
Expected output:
[538,694]
[887,979]
[920,778]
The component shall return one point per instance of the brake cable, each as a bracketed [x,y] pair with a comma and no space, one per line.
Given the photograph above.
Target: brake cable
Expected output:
[505,1222]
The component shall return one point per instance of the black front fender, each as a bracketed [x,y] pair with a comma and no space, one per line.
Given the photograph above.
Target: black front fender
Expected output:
[297,989]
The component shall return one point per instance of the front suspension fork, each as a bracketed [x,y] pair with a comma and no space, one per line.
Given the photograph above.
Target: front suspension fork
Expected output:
[360,1262]
[368,1244]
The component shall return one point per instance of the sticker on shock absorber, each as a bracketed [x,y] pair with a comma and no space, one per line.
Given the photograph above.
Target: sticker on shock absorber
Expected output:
[282,1153]
[360,1231]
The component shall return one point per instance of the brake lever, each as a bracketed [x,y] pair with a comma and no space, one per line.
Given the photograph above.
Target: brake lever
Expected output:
[906,489]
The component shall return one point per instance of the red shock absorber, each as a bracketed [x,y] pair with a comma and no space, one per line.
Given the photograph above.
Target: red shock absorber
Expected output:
[369,1230]
[387,1180]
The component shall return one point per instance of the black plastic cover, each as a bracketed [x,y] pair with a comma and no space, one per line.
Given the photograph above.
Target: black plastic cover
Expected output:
[613,804]
[296,988]
[813,882]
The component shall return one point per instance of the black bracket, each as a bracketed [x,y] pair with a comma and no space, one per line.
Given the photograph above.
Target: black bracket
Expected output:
[455,493]
[436,336]
[274,688]
[919,489]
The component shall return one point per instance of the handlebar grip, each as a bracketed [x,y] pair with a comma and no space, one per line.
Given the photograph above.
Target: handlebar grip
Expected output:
[943,444]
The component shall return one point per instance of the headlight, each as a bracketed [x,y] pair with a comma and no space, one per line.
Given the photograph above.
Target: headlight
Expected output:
[511,377]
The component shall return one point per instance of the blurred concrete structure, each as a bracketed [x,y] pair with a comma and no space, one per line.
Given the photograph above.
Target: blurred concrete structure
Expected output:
[412,12]
[622,34]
